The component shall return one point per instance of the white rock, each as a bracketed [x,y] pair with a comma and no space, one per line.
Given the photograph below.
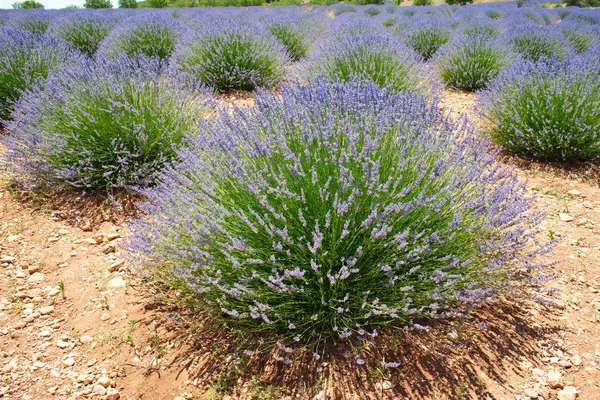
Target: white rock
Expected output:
[39,364]
[554,379]
[116,282]
[36,277]
[576,360]
[12,238]
[116,265]
[7,259]
[113,236]
[565,217]
[62,344]
[112,394]
[385,385]
[69,362]
[46,310]
[574,192]
[85,339]
[45,333]
[63,232]
[99,390]
[86,379]
[104,381]
[567,393]
[55,373]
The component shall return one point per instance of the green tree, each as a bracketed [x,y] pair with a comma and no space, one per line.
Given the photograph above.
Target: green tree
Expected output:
[27,4]
[97,4]
[72,7]
[157,3]
[128,4]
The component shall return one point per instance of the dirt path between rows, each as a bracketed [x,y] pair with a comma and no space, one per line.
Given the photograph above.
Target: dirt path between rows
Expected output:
[75,322]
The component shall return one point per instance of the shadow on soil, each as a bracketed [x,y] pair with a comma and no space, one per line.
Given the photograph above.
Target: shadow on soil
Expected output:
[446,362]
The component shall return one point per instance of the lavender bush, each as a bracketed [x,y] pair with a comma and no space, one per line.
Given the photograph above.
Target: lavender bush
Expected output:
[297,34]
[373,57]
[26,59]
[33,21]
[233,56]
[82,30]
[534,42]
[153,35]
[428,36]
[547,109]
[331,210]
[469,64]
[102,124]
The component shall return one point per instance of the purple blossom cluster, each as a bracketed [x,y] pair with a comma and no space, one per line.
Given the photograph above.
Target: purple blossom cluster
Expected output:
[334,208]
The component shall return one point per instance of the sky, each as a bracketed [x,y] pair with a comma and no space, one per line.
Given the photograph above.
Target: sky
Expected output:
[50,4]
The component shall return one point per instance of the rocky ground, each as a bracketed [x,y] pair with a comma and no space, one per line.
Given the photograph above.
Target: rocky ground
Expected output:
[76,323]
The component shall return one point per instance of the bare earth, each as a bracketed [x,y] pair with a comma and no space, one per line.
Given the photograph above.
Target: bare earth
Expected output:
[75,321]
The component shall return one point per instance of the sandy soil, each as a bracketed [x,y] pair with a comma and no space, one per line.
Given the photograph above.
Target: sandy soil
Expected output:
[76,322]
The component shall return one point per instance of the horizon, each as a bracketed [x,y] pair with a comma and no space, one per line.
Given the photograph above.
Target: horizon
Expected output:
[51,4]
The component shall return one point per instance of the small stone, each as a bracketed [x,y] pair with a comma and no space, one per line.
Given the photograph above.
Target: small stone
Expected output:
[46,310]
[32,269]
[86,241]
[565,364]
[565,217]
[113,236]
[63,232]
[567,393]
[69,362]
[112,394]
[62,344]
[85,339]
[538,372]
[104,381]
[86,379]
[39,364]
[531,393]
[55,373]
[574,193]
[576,360]
[99,390]
[116,265]
[385,385]
[91,362]
[21,274]
[104,317]
[7,259]
[116,282]
[554,379]
[36,277]
[12,238]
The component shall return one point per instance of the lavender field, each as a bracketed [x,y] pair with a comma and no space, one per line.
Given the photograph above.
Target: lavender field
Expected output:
[310,201]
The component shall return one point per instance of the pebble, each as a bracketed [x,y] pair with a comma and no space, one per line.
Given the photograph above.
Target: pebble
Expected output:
[385,385]
[554,379]
[7,259]
[116,282]
[104,381]
[46,310]
[36,277]
[576,360]
[85,339]
[565,217]
[32,269]
[99,390]
[86,379]
[574,192]
[69,362]
[567,393]
[112,394]
[63,232]
[116,265]
[62,344]
[113,236]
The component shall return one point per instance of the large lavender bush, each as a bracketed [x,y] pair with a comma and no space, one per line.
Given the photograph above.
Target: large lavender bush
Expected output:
[153,35]
[333,209]
[102,124]
[82,30]
[233,55]
[547,109]
[469,64]
[26,59]
[371,57]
